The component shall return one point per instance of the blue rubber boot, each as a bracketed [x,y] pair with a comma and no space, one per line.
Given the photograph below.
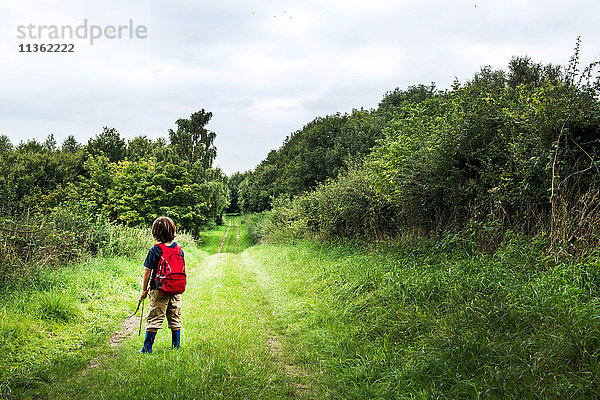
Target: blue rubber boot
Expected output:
[175,338]
[148,342]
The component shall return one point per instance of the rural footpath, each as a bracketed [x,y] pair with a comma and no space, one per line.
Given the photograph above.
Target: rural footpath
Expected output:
[231,345]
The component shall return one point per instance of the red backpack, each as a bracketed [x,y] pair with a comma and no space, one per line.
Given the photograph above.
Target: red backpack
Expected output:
[170,275]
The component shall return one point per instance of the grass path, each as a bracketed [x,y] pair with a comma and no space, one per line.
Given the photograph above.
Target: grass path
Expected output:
[228,238]
[230,346]
[225,237]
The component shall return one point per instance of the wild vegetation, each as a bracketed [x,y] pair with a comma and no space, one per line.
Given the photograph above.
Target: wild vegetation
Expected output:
[61,204]
[436,319]
[54,333]
[56,323]
[461,248]
[515,150]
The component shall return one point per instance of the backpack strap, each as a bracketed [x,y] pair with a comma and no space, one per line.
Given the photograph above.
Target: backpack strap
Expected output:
[165,249]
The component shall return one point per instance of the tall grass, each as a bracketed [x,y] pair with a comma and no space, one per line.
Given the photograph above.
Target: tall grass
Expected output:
[224,335]
[55,320]
[443,319]
[438,319]
[57,325]
[34,243]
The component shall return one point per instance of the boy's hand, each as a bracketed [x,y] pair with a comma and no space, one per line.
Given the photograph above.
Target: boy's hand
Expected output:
[145,283]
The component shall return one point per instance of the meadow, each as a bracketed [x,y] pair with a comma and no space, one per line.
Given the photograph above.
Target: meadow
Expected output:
[427,319]
[437,320]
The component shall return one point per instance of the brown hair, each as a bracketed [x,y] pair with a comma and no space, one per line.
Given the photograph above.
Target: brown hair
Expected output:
[163,229]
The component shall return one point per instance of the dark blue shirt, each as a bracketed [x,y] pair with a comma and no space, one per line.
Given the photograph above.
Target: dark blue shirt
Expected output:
[152,260]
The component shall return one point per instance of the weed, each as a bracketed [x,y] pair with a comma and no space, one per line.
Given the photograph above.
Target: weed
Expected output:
[50,329]
[55,306]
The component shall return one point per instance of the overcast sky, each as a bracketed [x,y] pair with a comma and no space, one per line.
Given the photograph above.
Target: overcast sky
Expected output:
[263,68]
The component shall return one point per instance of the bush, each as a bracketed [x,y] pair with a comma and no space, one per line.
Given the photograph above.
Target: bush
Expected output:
[53,241]
[255,226]
[520,150]
[344,208]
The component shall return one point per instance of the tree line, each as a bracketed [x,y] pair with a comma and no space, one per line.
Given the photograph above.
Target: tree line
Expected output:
[506,150]
[516,149]
[58,199]
[130,182]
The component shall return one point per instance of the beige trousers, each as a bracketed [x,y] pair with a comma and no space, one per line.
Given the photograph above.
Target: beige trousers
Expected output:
[162,306]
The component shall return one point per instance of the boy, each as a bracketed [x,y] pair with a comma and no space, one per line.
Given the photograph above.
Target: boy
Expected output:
[161,305]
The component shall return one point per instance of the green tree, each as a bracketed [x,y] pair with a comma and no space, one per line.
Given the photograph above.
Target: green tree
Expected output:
[413,94]
[136,192]
[31,146]
[321,150]
[71,145]
[5,144]
[141,147]
[523,71]
[50,143]
[192,142]
[233,184]
[109,143]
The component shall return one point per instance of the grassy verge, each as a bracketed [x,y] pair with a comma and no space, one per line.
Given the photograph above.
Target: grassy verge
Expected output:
[224,354]
[245,241]
[63,319]
[426,321]
[431,320]
[52,327]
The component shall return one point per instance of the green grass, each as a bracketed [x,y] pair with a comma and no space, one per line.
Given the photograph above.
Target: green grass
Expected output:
[424,322]
[223,353]
[58,323]
[429,320]
[210,241]
[229,244]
